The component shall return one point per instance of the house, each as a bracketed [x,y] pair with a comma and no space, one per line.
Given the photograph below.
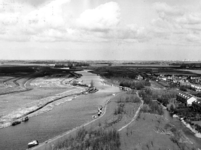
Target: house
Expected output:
[191,100]
[196,106]
[186,99]
[139,77]
[196,88]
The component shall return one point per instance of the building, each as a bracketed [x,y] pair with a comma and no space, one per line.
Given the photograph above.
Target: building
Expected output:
[139,77]
[196,88]
[196,106]
[186,99]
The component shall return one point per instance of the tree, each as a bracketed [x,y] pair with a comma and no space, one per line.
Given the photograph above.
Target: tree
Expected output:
[172,108]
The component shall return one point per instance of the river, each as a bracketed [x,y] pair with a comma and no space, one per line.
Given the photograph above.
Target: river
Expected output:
[62,118]
[68,116]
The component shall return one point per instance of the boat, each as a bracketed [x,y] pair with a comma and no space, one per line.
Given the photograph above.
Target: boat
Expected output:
[25,119]
[94,116]
[33,143]
[15,123]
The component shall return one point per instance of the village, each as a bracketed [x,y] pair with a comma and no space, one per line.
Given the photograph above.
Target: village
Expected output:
[187,103]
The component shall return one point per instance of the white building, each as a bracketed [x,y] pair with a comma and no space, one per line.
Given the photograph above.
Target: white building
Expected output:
[191,100]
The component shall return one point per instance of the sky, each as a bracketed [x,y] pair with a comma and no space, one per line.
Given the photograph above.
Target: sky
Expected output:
[100,29]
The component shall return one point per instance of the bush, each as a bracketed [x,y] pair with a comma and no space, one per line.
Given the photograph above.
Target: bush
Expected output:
[153,108]
[183,88]
[119,110]
[129,98]
[138,85]
[92,140]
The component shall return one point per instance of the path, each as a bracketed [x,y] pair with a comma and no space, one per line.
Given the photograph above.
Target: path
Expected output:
[135,116]
[40,147]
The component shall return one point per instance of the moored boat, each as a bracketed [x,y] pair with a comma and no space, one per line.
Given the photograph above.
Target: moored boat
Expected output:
[33,143]
[25,119]
[15,123]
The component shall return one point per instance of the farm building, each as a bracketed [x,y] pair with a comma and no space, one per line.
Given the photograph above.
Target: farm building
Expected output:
[186,99]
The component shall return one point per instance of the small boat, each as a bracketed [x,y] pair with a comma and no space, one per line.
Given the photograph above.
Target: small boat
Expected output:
[25,119]
[15,123]
[100,108]
[99,113]
[33,143]
[94,116]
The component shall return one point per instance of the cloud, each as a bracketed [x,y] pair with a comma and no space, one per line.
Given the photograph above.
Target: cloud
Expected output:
[102,18]
[164,9]
[50,18]
[53,22]
[103,24]
[30,2]
[52,15]
[176,24]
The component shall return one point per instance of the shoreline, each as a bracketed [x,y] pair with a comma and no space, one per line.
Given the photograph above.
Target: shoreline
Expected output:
[50,142]
[17,115]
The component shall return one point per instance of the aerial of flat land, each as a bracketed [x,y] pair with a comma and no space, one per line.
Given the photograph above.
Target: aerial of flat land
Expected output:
[128,108]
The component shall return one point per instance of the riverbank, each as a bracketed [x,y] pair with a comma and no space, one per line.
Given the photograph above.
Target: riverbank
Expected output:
[63,118]
[50,143]
[107,120]
[16,116]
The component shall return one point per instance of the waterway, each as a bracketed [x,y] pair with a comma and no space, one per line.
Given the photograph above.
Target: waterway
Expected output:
[62,118]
